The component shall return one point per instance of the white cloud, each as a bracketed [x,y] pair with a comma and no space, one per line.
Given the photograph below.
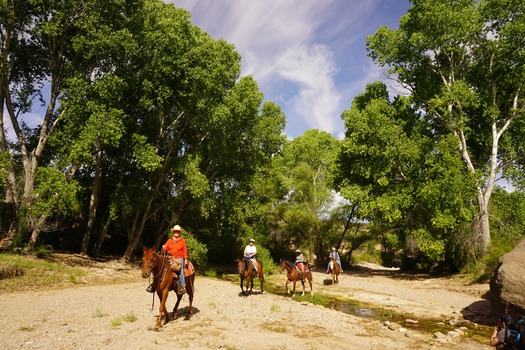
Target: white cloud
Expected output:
[305,55]
[312,69]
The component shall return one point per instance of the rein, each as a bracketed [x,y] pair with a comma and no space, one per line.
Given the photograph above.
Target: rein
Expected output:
[156,277]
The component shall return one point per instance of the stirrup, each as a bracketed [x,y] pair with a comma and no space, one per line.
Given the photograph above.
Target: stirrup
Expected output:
[181,290]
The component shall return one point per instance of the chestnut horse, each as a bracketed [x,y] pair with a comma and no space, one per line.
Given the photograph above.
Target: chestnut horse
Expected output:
[165,280]
[335,270]
[293,274]
[248,273]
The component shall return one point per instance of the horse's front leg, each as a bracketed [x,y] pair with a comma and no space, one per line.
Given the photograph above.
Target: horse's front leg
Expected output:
[242,286]
[250,282]
[302,281]
[163,296]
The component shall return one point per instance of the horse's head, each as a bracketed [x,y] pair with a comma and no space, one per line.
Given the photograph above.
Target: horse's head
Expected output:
[148,261]
[240,266]
[282,265]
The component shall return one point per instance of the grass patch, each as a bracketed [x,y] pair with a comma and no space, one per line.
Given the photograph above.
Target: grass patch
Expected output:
[26,329]
[210,273]
[275,308]
[33,273]
[317,299]
[116,322]
[130,317]
[99,313]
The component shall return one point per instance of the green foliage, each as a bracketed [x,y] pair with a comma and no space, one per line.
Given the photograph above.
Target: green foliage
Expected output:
[269,266]
[508,229]
[432,248]
[197,251]
[55,195]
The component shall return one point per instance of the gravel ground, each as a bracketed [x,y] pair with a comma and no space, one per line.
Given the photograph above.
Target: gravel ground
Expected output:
[121,315]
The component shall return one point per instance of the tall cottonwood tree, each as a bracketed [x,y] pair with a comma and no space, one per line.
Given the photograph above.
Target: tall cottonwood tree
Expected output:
[463,61]
[38,56]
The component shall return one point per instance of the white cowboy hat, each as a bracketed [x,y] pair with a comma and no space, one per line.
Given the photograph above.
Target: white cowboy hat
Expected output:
[252,240]
[333,248]
[298,251]
[176,228]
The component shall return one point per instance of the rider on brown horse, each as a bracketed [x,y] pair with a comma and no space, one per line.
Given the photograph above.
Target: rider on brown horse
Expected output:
[176,246]
[334,255]
[250,255]
[299,261]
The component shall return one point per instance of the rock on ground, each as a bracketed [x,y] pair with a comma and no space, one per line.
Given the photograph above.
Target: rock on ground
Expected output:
[507,285]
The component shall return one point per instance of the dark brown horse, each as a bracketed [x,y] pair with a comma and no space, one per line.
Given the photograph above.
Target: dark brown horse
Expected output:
[293,274]
[335,270]
[248,273]
[165,280]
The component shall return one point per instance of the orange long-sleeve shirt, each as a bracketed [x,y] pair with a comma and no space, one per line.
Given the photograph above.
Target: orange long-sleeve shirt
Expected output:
[177,248]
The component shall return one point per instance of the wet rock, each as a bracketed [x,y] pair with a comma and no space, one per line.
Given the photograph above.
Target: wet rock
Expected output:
[508,283]
[459,331]
[453,334]
[408,320]
[439,335]
[394,326]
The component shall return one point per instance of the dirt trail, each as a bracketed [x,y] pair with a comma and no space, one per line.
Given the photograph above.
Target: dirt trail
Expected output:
[119,315]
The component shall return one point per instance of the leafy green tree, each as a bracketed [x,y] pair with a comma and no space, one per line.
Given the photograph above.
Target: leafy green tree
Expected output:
[44,44]
[399,175]
[463,63]
[307,196]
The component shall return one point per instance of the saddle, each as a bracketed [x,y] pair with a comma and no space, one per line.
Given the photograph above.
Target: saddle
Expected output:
[299,266]
[189,269]
[252,263]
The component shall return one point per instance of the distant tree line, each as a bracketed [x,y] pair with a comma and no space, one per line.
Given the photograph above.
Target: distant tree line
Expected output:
[146,123]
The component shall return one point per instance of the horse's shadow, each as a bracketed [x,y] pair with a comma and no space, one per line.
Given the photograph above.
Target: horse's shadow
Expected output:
[328,281]
[181,313]
[253,292]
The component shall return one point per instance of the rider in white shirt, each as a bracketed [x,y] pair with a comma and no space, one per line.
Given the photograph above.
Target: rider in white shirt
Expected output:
[250,253]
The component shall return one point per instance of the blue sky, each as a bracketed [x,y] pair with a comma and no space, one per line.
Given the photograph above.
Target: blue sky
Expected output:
[307,56]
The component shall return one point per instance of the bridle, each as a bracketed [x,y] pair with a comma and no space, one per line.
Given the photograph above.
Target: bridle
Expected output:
[162,270]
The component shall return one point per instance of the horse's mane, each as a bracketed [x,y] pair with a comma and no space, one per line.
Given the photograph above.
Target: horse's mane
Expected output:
[289,264]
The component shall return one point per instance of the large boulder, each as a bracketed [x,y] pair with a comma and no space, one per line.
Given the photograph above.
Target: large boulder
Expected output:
[507,285]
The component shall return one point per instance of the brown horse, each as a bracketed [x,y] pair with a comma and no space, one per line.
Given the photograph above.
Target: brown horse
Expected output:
[294,274]
[165,280]
[248,273]
[335,270]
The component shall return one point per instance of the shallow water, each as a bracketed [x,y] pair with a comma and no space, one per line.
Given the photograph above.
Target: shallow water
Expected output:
[361,309]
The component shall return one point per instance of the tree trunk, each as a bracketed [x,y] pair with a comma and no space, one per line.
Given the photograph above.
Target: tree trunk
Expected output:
[132,244]
[37,227]
[133,237]
[103,236]
[482,224]
[93,203]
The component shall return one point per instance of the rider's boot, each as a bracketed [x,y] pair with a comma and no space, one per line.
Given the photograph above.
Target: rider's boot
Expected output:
[151,288]
[181,290]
